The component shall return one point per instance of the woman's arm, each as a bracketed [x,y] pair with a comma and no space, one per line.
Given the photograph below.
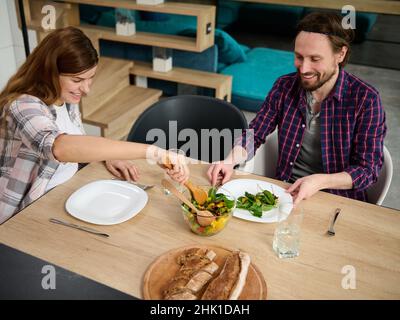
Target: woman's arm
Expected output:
[77,148]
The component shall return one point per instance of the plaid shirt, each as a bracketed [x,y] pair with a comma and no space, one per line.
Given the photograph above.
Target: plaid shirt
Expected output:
[27,162]
[352,129]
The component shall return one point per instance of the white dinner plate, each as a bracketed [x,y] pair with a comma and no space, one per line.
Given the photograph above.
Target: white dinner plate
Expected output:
[106,202]
[238,187]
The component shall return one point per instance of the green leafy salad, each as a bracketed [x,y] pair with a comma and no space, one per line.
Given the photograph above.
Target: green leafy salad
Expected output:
[217,203]
[256,204]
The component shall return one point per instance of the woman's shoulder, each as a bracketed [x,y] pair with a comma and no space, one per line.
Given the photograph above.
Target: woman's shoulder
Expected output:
[28,103]
[27,99]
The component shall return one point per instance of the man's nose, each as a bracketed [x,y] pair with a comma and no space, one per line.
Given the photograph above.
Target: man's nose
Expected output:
[305,67]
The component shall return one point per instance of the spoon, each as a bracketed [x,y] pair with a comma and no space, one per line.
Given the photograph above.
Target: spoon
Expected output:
[204,217]
[196,192]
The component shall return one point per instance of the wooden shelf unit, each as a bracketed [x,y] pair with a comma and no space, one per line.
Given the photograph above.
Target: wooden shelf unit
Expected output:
[143,38]
[205,15]
[221,83]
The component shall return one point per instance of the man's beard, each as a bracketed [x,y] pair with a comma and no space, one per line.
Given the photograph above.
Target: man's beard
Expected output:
[319,83]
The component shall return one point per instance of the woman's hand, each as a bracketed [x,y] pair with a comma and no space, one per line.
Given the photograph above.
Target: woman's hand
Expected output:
[180,170]
[173,163]
[123,169]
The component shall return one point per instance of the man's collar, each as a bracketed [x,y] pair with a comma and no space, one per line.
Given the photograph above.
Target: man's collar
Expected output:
[339,88]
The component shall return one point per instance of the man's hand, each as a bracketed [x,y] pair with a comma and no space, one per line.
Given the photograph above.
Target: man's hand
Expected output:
[219,173]
[123,169]
[305,187]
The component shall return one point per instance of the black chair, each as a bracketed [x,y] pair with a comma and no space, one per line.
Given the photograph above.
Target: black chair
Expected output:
[204,127]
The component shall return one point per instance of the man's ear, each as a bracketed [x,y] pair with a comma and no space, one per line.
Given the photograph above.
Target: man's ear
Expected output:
[342,54]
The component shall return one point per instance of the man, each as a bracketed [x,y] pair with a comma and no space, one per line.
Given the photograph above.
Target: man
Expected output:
[331,125]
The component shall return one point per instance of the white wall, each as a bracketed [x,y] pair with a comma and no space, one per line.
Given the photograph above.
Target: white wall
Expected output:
[7,55]
[12,52]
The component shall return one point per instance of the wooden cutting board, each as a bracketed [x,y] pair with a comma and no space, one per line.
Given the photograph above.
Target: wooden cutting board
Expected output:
[164,268]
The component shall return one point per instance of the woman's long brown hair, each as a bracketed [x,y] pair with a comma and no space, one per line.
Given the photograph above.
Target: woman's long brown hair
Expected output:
[64,51]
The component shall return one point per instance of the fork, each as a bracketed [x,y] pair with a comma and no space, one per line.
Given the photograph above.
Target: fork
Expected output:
[331,230]
[141,186]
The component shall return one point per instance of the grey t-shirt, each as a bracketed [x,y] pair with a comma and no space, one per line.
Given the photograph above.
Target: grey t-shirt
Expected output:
[309,160]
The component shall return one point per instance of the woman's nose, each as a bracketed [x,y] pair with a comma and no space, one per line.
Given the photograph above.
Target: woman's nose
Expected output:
[85,86]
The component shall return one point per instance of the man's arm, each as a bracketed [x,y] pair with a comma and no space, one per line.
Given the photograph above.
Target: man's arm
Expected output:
[246,145]
[367,158]
[305,187]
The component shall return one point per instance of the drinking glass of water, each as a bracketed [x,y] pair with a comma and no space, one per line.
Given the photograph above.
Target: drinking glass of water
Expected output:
[286,241]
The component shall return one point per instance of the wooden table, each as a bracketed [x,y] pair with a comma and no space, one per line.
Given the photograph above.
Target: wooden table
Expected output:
[367,238]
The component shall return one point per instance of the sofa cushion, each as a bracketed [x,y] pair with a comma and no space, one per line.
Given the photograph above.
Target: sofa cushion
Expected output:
[244,48]
[229,50]
[254,78]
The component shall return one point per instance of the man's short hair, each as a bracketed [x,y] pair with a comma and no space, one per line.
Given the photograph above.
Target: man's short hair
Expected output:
[330,24]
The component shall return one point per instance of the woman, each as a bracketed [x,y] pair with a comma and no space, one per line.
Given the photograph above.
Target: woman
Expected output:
[41,135]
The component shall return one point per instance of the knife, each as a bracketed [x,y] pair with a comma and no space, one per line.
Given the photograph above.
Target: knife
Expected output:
[68,224]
